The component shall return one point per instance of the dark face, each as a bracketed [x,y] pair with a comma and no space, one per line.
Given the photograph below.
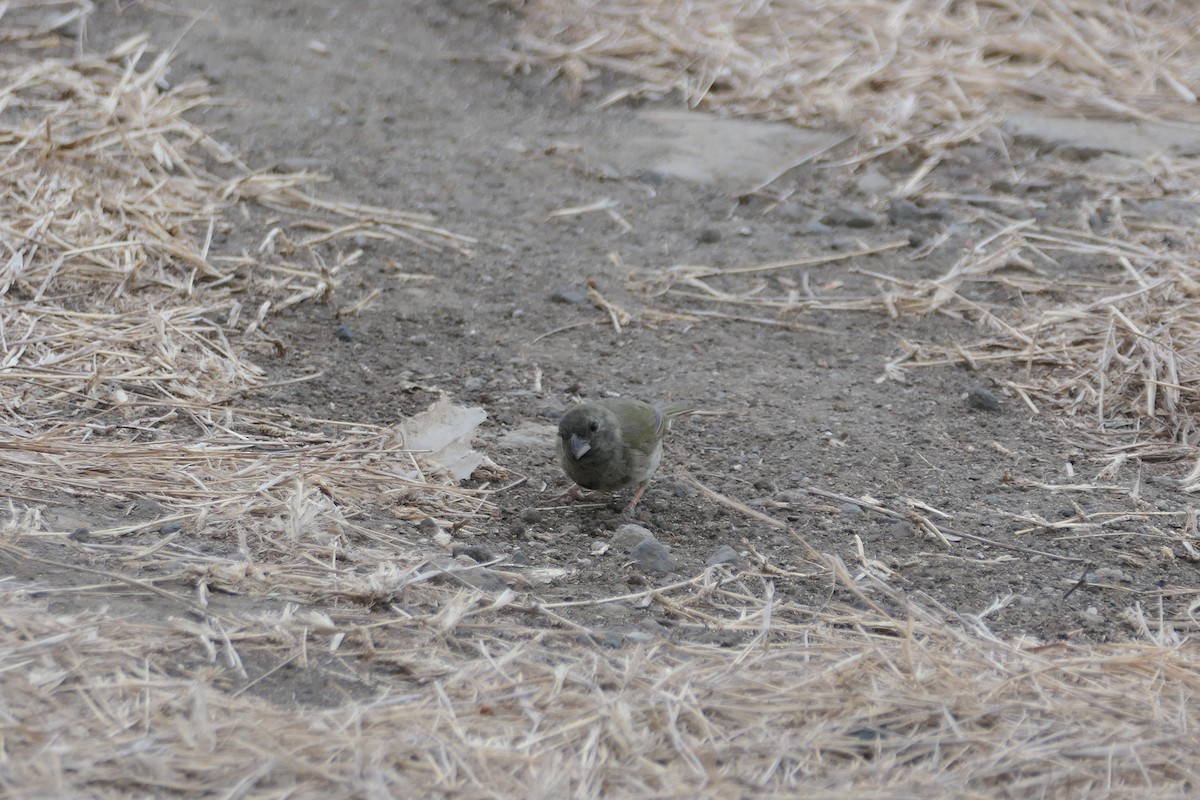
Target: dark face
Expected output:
[587,430]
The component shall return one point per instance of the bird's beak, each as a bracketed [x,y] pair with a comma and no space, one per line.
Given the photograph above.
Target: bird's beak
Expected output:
[579,446]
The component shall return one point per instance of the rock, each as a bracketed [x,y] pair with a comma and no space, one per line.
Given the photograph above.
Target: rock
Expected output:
[724,555]
[719,638]
[901,529]
[610,639]
[816,228]
[517,559]
[874,182]
[1111,575]
[792,211]
[569,295]
[710,235]
[983,399]
[147,507]
[653,556]
[474,383]
[531,516]
[344,333]
[851,509]
[640,637]
[629,536]
[904,212]
[169,527]
[474,552]
[81,535]
[850,216]
[483,579]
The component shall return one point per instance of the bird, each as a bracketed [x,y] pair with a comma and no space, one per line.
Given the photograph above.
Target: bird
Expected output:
[613,443]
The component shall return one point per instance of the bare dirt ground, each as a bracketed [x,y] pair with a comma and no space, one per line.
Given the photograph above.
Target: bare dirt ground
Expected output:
[402,112]
[405,105]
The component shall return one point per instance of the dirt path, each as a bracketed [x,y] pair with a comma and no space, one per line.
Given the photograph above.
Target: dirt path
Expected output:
[396,104]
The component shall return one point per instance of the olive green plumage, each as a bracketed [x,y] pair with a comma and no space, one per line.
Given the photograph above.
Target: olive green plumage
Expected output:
[614,442]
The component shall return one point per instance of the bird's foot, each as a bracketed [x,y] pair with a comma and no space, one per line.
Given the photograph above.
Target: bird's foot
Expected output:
[576,494]
[637,495]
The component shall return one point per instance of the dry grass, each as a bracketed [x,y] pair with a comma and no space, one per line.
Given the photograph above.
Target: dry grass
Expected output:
[127,337]
[127,343]
[1122,348]
[926,73]
[469,701]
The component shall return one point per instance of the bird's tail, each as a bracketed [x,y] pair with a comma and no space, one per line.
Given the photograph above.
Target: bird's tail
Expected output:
[669,412]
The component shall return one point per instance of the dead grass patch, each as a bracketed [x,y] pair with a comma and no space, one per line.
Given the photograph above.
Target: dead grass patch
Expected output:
[128,342]
[1119,348]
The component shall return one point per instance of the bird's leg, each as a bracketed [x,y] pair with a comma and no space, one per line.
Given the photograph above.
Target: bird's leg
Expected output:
[637,495]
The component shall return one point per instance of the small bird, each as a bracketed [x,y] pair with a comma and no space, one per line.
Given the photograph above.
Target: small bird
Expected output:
[614,442]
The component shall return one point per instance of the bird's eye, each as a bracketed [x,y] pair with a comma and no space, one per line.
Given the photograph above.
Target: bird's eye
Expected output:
[593,426]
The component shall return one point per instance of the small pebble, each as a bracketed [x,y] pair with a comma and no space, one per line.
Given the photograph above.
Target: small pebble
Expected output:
[531,516]
[814,227]
[148,507]
[80,535]
[474,384]
[611,639]
[484,579]
[792,211]
[569,295]
[851,509]
[710,235]
[629,536]
[1110,574]
[904,212]
[345,334]
[653,556]
[719,638]
[874,182]
[981,398]
[169,527]
[517,559]
[428,526]
[724,555]
[472,551]
[850,216]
